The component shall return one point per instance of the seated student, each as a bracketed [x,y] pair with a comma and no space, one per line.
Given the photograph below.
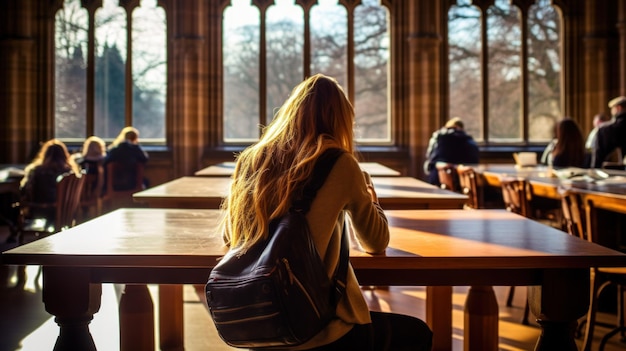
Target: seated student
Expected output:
[269,176]
[567,149]
[611,137]
[599,120]
[40,176]
[449,144]
[92,155]
[126,150]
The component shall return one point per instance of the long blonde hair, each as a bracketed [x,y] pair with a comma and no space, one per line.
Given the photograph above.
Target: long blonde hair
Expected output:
[316,116]
[94,148]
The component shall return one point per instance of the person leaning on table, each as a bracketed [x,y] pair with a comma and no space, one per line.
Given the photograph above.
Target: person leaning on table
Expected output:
[318,116]
[450,144]
[611,136]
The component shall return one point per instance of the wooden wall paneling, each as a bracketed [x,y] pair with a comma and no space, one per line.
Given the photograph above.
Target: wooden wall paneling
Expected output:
[621,27]
[423,78]
[572,64]
[188,76]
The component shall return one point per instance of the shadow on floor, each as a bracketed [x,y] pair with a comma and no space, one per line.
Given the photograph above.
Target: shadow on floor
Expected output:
[21,308]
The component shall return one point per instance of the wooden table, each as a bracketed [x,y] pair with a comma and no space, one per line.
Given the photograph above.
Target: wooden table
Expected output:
[436,248]
[186,192]
[226,169]
[607,195]
[544,184]
[208,192]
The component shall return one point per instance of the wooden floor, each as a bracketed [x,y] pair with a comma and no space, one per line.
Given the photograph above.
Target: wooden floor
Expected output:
[25,325]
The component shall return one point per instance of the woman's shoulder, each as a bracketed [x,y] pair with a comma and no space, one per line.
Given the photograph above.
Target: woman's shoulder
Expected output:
[346,167]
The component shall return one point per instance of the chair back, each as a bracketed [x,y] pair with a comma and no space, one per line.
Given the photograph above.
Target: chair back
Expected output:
[118,170]
[468,181]
[69,192]
[574,214]
[601,229]
[448,176]
[516,193]
[122,198]
[91,197]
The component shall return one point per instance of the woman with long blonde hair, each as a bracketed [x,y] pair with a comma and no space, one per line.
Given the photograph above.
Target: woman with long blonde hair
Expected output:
[271,173]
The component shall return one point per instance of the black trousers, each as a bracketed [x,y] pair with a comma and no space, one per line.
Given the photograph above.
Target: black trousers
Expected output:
[388,331]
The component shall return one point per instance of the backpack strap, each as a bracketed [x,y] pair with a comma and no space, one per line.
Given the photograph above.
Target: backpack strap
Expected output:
[341,272]
[323,165]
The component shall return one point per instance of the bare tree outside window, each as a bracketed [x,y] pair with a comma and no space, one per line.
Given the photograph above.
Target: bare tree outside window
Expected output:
[70,71]
[505,113]
[329,42]
[504,39]
[544,70]
[110,81]
[285,52]
[149,70]
[464,69]
[149,75]
[241,28]
[285,42]
[371,58]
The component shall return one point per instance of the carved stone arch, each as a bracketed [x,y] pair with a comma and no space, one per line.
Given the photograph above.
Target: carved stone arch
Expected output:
[483,5]
[55,6]
[350,5]
[523,5]
[562,6]
[306,4]
[263,5]
[129,5]
[91,5]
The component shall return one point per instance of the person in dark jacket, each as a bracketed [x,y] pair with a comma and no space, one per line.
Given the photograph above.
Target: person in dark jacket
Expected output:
[611,136]
[449,144]
[126,150]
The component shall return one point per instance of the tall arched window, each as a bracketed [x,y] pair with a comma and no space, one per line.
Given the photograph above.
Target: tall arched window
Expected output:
[110,82]
[505,72]
[241,50]
[465,70]
[371,72]
[117,79]
[269,47]
[544,70]
[70,71]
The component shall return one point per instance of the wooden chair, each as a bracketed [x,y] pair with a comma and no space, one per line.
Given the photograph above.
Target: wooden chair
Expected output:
[574,221]
[468,181]
[448,176]
[603,277]
[122,198]
[69,190]
[516,194]
[92,195]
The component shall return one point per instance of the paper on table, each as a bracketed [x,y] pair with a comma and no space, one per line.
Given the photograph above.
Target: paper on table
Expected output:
[525,159]
[619,180]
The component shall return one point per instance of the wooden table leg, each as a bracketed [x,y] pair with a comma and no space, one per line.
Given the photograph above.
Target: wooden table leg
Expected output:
[562,298]
[73,300]
[439,316]
[171,318]
[481,320]
[136,319]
